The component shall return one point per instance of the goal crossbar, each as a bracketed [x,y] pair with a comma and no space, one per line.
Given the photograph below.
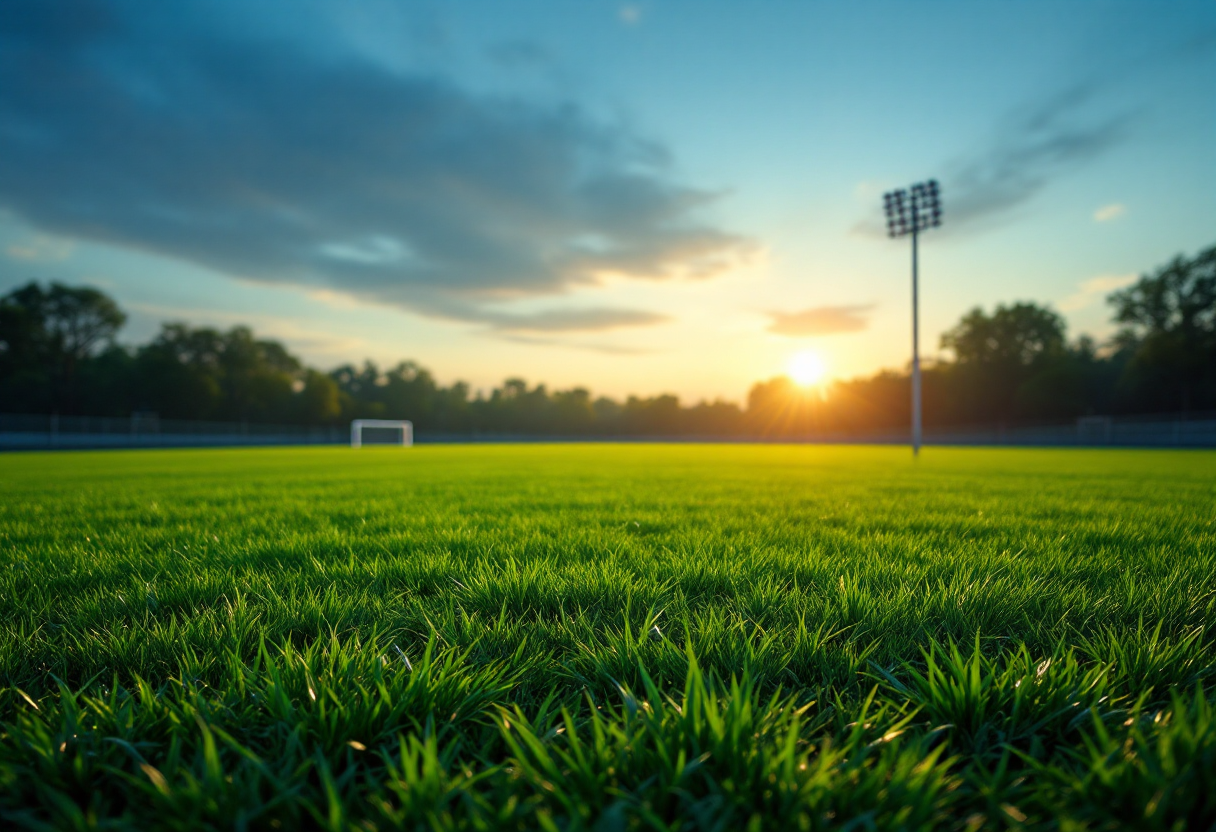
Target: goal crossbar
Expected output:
[357,426]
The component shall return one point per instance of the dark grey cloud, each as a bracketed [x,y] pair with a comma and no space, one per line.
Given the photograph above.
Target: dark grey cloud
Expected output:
[276,162]
[821,320]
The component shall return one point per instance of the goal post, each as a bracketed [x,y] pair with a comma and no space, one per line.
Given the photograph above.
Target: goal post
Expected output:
[358,425]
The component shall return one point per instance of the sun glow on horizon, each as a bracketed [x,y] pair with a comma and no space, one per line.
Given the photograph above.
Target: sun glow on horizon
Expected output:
[806,368]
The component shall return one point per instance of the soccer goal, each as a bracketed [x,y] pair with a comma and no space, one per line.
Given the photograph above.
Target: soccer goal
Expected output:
[381,432]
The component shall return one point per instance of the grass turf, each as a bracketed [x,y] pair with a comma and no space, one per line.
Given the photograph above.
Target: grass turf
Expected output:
[608,636]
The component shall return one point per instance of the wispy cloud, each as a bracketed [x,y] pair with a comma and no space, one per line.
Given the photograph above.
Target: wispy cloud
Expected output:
[597,319]
[1028,150]
[821,320]
[334,300]
[1109,212]
[261,159]
[1055,136]
[1046,141]
[1094,289]
[606,349]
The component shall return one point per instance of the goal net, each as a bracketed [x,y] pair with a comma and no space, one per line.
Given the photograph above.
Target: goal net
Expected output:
[381,432]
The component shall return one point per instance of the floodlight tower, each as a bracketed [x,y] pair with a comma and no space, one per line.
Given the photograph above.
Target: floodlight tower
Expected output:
[911,213]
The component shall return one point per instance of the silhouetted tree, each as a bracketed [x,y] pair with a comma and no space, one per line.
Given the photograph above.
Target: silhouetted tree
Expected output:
[57,351]
[1168,339]
[179,373]
[319,401]
[47,334]
[207,374]
[997,355]
[778,407]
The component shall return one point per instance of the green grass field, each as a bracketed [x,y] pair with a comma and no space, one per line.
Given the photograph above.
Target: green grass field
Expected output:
[608,636]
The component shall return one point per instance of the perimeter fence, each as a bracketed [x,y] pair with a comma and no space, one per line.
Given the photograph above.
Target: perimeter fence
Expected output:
[146,430]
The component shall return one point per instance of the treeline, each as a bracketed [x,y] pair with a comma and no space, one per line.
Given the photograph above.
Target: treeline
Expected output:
[1014,365]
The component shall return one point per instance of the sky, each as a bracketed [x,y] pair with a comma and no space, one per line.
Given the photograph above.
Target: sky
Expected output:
[639,198]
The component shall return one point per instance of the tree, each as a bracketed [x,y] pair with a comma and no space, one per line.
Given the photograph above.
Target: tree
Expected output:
[24,340]
[409,392]
[1168,336]
[778,407]
[45,334]
[361,389]
[178,373]
[319,401]
[997,354]
[80,319]
[57,352]
[257,377]
[207,374]
[1014,336]
[573,411]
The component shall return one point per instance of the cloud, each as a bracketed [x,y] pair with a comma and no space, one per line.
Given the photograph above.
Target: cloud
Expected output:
[575,320]
[606,349]
[1041,143]
[267,160]
[561,320]
[821,320]
[1030,149]
[41,248]
[1094,289]
[630,14]
[1109,212]
[335,300]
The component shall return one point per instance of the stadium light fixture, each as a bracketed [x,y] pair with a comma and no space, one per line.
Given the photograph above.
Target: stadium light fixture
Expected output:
[911,211]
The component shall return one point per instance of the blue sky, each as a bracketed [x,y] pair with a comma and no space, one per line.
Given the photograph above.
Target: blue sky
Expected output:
[632,197]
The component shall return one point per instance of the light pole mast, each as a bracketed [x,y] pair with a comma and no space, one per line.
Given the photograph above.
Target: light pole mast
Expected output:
[911,213]
[916,426]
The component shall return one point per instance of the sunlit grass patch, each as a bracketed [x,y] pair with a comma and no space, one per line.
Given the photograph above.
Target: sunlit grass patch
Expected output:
[700,637]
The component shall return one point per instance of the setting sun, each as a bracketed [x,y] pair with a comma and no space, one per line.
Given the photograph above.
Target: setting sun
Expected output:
[806,368]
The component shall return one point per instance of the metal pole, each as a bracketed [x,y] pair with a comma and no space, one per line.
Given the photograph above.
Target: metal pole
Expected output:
[915,350]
